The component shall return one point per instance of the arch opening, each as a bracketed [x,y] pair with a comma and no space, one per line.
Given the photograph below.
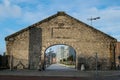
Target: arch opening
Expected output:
[60,57]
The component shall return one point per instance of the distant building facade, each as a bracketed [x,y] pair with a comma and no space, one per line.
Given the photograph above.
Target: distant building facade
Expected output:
[50,58]
[27,46]
[69,51]
[64,52]
[58,55]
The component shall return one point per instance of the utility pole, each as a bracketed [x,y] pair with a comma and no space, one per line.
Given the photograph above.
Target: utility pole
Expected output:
[91,19]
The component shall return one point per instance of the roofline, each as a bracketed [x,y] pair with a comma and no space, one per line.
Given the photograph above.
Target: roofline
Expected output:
[59,13]
[92,27]
[33,25]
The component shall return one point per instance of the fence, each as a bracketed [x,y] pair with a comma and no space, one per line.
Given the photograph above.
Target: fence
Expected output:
[4,62]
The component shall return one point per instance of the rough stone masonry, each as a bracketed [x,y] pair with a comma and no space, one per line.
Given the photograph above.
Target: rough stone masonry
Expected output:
[26,47]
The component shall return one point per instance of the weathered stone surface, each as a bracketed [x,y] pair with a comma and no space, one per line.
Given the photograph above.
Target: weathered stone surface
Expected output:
[29,45]
[117,56]
[18,49]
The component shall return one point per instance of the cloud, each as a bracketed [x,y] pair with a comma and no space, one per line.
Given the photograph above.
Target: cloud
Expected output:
[110,15]
[117,36]
[9,31]
[31,11]
[109,21]
[9,10]
[32,17]
[25,1]
[27,12]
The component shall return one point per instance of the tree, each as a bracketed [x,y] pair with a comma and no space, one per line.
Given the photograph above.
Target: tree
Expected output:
[70,58]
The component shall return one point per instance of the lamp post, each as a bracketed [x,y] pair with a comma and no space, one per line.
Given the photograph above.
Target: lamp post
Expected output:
[96,56]
[91,19]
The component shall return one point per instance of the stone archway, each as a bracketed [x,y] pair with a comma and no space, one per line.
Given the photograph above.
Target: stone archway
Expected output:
[81,57]
[60,54]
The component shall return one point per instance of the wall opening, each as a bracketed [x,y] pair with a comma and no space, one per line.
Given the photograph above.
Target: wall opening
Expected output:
[60,57]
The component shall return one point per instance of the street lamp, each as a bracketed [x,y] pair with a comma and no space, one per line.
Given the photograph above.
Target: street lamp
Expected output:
[91,19]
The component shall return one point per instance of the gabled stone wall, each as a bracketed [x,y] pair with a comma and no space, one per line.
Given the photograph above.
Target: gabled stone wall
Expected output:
[85,40]
[62,29]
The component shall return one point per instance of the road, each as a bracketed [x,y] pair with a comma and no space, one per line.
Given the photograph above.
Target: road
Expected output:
[55,78]
[40,78]
[60,67]
[58,72]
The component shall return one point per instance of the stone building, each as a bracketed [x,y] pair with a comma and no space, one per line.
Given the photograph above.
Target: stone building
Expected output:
[117,52]
[27,46]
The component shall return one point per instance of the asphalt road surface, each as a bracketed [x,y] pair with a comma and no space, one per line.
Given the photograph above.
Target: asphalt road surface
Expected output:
[40,78]
[58,72]
[55,78]
[60,67]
